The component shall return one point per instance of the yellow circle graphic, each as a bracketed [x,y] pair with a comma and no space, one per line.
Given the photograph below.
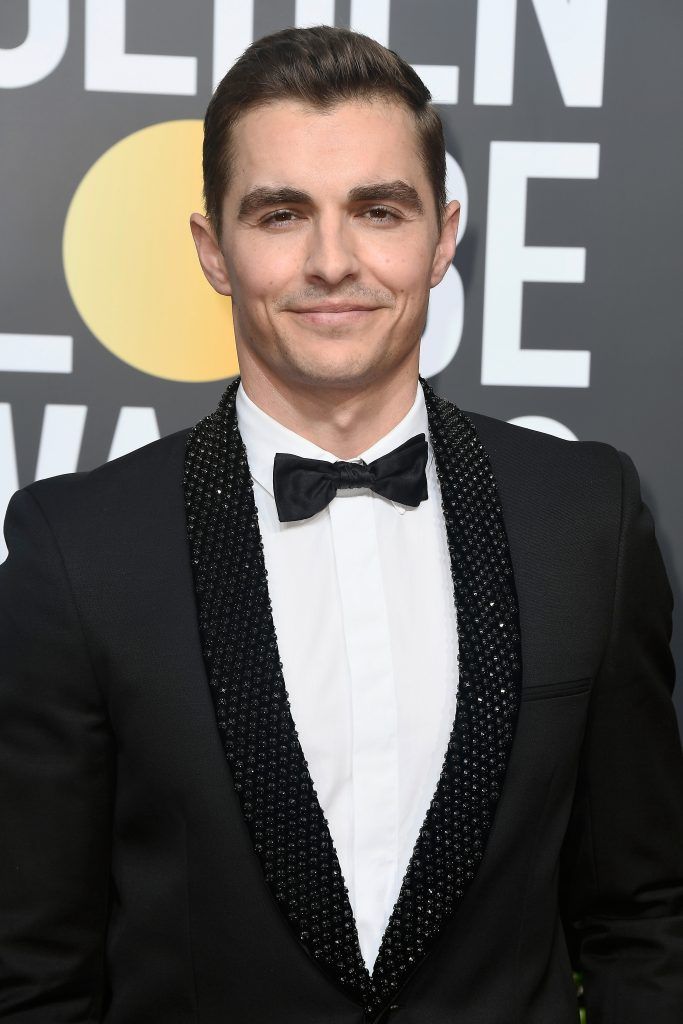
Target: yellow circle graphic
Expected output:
[130,262]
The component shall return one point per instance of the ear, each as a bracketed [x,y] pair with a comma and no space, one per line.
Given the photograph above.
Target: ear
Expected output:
[445,248]
[210,255]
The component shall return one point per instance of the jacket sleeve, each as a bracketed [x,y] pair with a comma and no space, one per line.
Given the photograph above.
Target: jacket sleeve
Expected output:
[621,879]
[56,779]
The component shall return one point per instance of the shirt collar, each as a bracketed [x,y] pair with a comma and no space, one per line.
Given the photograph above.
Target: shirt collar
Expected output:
[263,436]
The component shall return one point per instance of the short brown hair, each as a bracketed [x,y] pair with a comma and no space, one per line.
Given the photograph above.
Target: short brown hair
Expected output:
[320,66]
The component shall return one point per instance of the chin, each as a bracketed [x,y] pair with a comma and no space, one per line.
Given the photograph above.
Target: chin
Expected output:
[334,373]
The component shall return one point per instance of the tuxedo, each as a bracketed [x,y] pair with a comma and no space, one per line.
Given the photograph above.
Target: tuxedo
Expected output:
[165,858]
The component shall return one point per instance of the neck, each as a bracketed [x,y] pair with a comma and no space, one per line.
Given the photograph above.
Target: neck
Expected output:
[344,420]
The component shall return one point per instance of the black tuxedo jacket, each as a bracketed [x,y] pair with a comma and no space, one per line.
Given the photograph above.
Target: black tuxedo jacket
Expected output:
[164,859]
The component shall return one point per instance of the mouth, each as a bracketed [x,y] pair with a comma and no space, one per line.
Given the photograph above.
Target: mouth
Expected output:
[332,316]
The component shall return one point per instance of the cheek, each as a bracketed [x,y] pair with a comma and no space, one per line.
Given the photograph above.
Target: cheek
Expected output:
[252,246]
[407,274]
[262,272]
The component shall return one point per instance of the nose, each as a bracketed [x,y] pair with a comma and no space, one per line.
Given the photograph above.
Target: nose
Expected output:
[331,256]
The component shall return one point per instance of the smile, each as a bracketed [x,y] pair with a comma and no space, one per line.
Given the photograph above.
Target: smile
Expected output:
[334,317]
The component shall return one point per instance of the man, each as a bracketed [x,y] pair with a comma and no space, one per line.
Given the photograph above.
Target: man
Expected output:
[343,705]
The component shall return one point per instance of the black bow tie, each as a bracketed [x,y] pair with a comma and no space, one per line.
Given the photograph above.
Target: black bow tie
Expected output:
[303,487]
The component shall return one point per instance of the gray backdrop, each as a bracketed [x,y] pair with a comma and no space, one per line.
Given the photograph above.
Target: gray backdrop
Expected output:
[563,124]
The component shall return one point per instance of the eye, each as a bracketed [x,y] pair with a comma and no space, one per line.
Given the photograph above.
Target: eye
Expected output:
[279,218]
[382,214]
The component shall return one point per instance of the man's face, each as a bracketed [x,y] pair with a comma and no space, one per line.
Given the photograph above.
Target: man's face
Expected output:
[330,242]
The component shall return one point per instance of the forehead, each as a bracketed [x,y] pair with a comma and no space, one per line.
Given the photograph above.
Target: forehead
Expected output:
[295,144]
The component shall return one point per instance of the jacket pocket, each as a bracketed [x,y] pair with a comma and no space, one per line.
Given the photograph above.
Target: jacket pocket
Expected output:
[565,688]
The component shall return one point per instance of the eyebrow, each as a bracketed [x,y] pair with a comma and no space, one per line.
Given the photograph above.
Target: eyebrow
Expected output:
[380,191]
[259,198]
[398,191]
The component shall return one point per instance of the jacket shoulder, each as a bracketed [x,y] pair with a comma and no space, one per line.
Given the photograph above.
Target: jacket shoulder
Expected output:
[530,459]
[556,488]
[137,481]
[116,515]
[499,436]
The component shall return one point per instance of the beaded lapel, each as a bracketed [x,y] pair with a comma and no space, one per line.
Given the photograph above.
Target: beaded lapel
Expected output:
[278,800]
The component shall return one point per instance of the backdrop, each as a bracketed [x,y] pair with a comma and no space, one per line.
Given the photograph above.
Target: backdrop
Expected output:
[562,310]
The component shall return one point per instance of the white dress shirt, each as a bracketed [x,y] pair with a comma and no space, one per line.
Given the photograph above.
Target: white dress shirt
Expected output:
[363,608]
